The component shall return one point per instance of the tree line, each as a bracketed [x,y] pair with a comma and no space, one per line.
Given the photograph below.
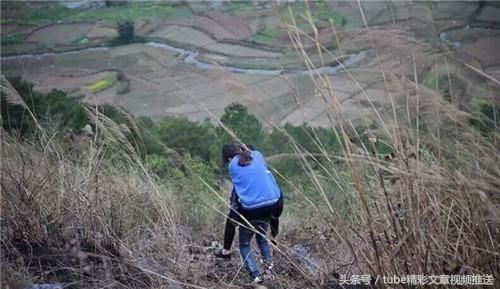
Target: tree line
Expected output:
[201,140]
[195,144]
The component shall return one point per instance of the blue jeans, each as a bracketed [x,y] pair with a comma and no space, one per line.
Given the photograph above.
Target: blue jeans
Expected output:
[246,235]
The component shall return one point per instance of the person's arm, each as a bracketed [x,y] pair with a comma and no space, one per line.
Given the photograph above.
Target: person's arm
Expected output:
[233,200]
[273,179]
[230,228]
[281,200]
[276,214]
[234,204]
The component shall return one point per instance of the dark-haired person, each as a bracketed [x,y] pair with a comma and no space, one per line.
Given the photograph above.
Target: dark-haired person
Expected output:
[258,197]
[233,218]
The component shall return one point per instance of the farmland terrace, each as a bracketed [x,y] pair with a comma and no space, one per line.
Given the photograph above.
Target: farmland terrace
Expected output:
[193,59]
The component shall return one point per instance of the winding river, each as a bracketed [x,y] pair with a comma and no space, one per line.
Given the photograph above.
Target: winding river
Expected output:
[191,57]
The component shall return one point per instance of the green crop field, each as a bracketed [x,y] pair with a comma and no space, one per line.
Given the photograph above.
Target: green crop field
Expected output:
[102,84]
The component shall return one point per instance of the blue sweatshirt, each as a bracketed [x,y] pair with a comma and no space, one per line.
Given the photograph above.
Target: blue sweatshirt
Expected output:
[234,201]
[254,183]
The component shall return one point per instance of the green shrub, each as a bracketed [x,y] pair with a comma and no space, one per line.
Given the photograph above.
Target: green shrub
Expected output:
[53,108]
[126,32]
[13,38]
[489,119]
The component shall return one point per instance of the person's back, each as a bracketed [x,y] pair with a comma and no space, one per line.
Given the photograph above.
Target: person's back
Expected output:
[254,186]
[258,196]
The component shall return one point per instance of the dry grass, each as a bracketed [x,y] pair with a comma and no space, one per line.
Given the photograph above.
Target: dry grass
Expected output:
[431,207]
[84,210]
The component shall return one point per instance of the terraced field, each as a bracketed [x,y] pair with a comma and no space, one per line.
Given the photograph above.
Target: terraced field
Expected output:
[221,56]
[60,34]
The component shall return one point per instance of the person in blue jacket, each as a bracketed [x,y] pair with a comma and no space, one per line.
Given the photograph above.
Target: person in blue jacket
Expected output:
[233,218]
[258,197]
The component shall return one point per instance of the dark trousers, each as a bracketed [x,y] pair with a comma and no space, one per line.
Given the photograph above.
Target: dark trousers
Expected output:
[274,222]
[230,230]
[269,214]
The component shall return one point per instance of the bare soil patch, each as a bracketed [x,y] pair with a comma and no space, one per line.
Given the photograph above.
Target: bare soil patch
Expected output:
[7,28]
[102,32]
[60,34]
[381,14]
[148,27]
[326,37]
[13,28]
[234,24]
[453,9]
[397,49]
[484,49]
[215,29]
[489,14]
[190,36]
[447,24]
[20,48]
[184,35]
[350,10]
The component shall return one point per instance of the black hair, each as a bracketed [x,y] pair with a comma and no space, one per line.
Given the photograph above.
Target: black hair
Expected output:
[231,150]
